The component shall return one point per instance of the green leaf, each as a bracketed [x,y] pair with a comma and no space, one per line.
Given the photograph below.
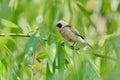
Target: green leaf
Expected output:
[105,8]
[7,23]
[4,63]
[116,45]
[60,56]
[85,12]
[51,53]
[49,75]
[51,39]
[32,44]
[80,26]
[54,65]
[42,55]
[3,41]
[112,26]
[90,71]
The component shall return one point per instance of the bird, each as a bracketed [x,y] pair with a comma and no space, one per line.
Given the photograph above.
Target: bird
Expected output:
[70,34]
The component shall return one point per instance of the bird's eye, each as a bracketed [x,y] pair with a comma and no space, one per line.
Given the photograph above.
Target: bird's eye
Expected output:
[59,25]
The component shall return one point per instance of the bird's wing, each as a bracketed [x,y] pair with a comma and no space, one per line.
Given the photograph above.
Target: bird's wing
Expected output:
[78,34]
[75,32]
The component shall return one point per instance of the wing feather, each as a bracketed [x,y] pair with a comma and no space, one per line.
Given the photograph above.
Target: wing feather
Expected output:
[75,31]
[78,34]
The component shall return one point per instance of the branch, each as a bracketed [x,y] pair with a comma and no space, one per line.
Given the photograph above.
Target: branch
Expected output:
[106,57]
[28,35]
[15,34]
[19,35]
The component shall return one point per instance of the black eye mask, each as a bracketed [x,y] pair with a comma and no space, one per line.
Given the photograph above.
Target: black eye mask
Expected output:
[59,25]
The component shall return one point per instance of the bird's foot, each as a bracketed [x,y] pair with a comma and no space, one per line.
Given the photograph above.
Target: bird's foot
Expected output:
[72,47]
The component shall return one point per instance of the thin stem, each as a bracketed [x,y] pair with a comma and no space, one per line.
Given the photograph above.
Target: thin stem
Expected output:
[15,34]
[106,57]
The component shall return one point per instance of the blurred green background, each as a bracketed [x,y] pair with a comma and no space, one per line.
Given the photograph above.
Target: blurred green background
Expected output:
[42,55]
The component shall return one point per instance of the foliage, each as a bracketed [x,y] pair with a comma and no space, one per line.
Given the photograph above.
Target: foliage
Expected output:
[40,54]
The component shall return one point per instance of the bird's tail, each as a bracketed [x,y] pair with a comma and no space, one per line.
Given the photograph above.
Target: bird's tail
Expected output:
[81,39]
[88,44]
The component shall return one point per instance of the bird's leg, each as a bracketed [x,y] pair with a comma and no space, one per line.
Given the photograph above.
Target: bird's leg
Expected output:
[72,46]
[74,43]
[62,43]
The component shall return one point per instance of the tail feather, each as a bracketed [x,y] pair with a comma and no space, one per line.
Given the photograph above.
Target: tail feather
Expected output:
[89,45]
[84,41]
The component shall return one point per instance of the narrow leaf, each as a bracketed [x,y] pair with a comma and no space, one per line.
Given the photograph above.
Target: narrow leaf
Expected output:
[7,23]
[85,12]
[116,45]
[42,55]
[32,44]
[60,55]
[49,75]
[51,39]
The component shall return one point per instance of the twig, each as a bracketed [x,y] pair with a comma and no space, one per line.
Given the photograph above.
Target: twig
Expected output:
[15,34]
[19,35]
[106,57]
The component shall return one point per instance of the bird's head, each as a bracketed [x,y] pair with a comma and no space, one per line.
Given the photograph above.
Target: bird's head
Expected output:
[61,24]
